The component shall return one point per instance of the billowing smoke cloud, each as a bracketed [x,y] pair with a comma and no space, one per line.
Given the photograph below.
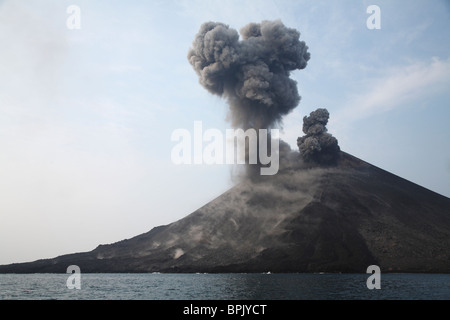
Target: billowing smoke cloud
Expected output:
[252,73]
[317,145]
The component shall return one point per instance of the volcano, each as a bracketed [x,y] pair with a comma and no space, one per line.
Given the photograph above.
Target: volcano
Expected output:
[339,218]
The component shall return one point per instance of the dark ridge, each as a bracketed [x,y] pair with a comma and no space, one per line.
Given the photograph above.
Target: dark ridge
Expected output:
[307,218]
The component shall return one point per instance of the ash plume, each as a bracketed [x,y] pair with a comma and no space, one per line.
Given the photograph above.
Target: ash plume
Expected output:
[317,145]
[252,73]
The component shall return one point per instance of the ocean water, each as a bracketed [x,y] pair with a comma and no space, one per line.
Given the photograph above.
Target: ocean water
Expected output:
[224,287]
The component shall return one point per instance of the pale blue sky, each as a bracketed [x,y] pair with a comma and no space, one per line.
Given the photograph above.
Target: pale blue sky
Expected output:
[86,115]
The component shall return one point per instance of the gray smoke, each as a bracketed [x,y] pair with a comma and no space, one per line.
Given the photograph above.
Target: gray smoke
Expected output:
[317,145]
[252,73]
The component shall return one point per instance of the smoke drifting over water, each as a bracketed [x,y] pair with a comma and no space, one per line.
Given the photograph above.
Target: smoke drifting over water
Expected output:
[253,74]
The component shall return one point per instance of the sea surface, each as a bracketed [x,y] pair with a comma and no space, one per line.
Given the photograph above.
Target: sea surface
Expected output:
[223,287]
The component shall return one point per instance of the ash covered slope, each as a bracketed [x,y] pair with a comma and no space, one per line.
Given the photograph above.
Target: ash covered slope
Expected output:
[341,218]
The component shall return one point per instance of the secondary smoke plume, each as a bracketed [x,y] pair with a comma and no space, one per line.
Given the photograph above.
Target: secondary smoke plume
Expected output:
[252,73]
[317,145]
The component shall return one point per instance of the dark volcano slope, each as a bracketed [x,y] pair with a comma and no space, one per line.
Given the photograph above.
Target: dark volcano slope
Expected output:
[334,219]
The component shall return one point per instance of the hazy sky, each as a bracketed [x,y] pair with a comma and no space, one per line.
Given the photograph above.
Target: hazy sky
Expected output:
[86,115]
